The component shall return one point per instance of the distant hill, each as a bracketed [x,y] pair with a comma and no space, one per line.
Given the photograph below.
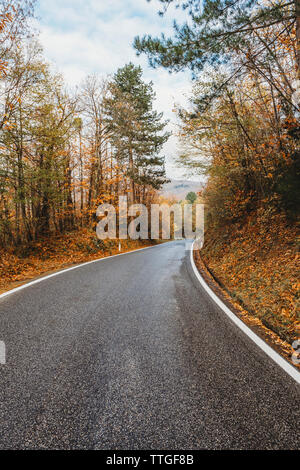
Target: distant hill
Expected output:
[180,188]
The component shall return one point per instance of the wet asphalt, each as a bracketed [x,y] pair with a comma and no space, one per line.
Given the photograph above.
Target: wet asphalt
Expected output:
[131,353]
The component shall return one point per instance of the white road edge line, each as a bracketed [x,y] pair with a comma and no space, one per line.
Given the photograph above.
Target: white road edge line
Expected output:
[28,284]
[280,361]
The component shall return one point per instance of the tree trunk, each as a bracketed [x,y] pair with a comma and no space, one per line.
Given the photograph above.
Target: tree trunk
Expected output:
[132,183]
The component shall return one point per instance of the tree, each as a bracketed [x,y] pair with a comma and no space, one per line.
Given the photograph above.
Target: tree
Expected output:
[245,147]
[219,31]
[191,197]
[14,26]
[93,93]
[137,131]
[35,158]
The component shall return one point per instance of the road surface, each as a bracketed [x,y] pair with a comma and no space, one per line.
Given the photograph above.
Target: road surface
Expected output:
[131,353]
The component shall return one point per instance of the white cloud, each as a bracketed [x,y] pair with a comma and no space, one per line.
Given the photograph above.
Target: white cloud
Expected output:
[95,36]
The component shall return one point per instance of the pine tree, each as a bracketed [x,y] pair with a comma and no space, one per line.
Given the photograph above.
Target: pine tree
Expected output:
[137,131]
[217,30]
[191,197]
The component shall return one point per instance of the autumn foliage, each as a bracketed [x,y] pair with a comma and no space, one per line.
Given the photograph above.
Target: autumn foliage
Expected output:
[243,134]
[54,252]
[257,262]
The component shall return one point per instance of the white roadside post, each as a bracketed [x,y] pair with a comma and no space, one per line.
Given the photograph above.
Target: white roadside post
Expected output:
[2,353]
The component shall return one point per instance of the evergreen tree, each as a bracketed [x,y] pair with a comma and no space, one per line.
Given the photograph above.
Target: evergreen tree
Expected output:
[219,29]
[137,131]
[191,197]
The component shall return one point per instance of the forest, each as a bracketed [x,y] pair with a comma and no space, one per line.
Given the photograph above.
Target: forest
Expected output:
[62,154]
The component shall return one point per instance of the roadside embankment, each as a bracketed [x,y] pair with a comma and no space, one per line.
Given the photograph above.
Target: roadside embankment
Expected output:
[256,266]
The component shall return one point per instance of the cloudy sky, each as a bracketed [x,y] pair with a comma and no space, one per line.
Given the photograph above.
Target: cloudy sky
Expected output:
[82,37]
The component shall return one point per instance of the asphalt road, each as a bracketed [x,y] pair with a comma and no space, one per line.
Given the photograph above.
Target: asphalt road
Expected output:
[131,353]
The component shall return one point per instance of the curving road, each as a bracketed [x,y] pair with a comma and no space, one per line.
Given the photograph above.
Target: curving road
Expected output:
[131,353]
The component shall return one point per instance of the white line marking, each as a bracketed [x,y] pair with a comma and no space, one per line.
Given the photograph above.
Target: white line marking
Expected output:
[288,368]
[17,289]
